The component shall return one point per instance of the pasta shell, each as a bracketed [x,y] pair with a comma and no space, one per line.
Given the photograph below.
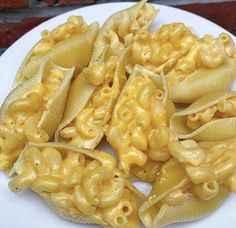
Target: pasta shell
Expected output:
[100,103]
[191,209]
[71,184]
[140,114]
[157,212]
[73,52]
[199,83]
[123,24]
[160,50]
[33,110]
[209,112]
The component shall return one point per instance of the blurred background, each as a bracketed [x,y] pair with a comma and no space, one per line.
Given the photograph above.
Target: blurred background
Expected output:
[19,16]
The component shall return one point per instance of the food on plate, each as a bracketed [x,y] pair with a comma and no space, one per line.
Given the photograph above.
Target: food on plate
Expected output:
[32,111]
[192,184]
[211,117]
[190,63]
[160,50]
[81,185]
[139,124]
[68,45]
[120,28]
[87,115]
[81,82]
[209,60]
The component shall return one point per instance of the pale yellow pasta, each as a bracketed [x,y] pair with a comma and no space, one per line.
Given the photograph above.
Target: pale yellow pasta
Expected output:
[174,198]
[199,174]
[187,151]
[148,172]
[211,117]
[64,46]
[123,26]
[139,125]
[127,79]
[160,50]
[208,52]
[28,113]
[79,184]
[207,190]
[87,128]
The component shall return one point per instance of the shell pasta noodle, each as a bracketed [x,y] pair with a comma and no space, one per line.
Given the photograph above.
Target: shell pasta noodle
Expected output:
[81,185]
[32,111]
[85,128]
[211,117]
[84,87]
[173,200]
[160,50]
[119,29]
[140,120]
[68,45]
[192,184]
[209,59]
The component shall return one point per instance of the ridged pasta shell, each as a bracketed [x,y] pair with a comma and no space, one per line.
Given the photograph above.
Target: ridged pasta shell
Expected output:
[191,209]
[73,52]
[74,111]
[160,83]
[219,129]
[137,110]
[204,81]
[52,116]
[79,94]
[77,216]
[115,21]
[44,126]
[77,101]
[155,212]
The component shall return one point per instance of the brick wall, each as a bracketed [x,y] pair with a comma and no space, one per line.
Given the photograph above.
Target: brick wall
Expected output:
[19,16]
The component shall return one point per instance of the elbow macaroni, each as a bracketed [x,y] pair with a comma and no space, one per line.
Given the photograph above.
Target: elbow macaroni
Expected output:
[139,127]
[109,77]
[74,26]
[189,178]
[81,182]
[23,116]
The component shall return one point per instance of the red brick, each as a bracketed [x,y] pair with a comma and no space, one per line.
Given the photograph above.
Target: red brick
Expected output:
[222,13]
[10,32]
[7,4]
[71,2]
[50,2]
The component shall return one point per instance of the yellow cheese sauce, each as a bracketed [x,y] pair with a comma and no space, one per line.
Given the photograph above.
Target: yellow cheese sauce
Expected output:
[223,109]
[22,118]
[78,185]
[138,128]
[74,26]
[208,52]
[91,119]
[161,49]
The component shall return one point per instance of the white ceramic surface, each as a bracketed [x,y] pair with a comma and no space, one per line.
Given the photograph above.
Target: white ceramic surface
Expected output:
[25,209]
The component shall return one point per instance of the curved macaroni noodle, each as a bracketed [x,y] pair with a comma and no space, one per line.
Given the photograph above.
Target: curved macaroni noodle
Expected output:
[82,182]
[139,125]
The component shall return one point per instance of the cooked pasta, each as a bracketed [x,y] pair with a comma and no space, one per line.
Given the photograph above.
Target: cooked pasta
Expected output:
[139,125]
[126,80]
[203,118]
[161,49]
[120,28]
[86,129]
[33,111]
[209,59]
[68,45]
[81,185]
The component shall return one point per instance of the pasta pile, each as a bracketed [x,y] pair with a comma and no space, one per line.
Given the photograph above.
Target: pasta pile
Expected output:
[81,83]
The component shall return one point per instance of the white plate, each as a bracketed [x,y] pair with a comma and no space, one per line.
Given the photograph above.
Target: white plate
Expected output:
[25,209]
